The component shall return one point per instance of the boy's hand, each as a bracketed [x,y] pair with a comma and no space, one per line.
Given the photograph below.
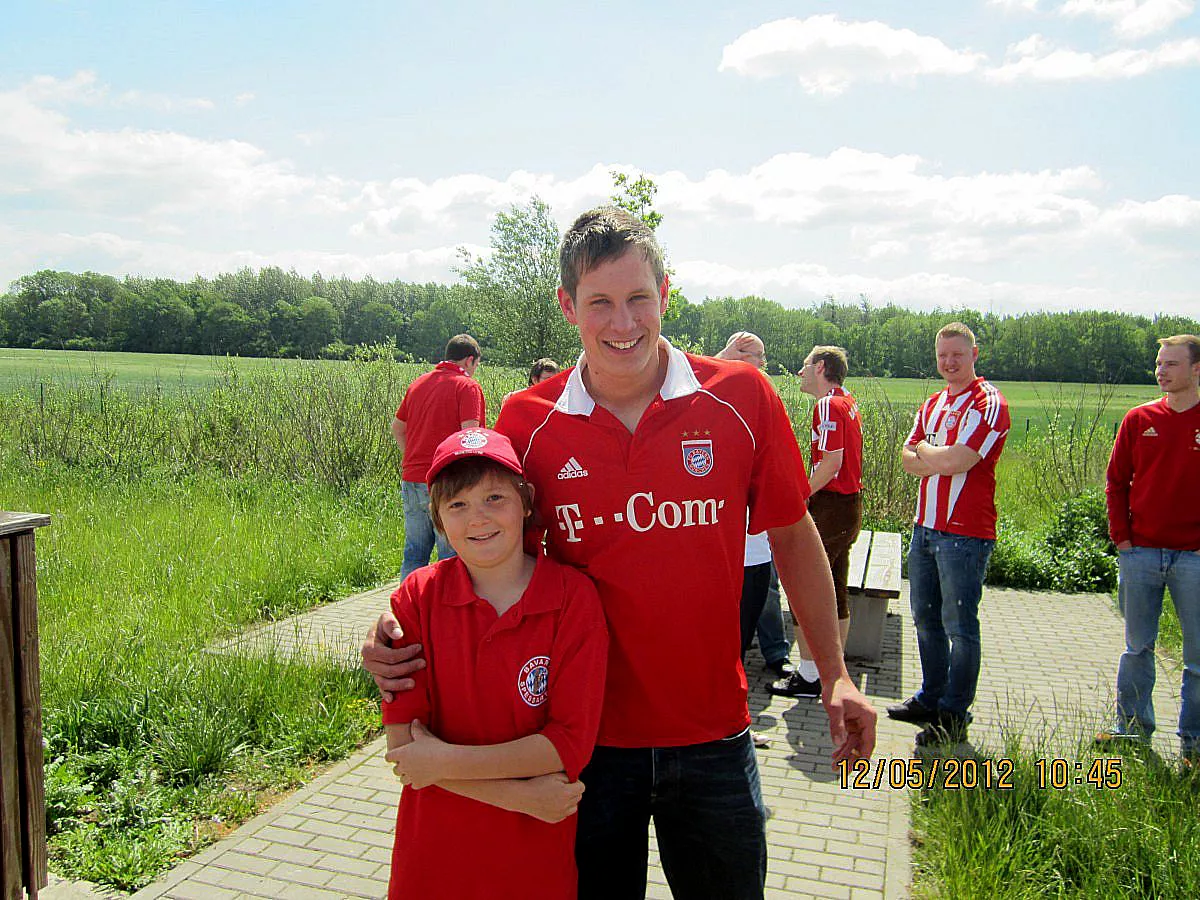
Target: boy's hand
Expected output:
[419,763]
[552,798]
[390,665]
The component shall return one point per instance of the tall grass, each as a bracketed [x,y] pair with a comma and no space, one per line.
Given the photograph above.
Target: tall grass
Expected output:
[1076,840]
[153,746]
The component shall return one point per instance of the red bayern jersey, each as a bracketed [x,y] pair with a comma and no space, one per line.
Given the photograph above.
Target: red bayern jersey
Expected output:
[837,426]
[1153,483]
[434,407]
[657,519]
[537,669]
[976,417]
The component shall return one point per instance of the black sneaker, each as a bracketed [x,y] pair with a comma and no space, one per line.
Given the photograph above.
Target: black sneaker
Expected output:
[912,710]
[781,668]
[947,729]
[795,685]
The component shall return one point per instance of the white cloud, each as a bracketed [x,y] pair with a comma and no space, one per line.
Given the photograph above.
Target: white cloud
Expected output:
[132,172]
[243,98]
[84,89]
[827,55]
[1015,5]
[1037,59]
[804,284]
[1132,19]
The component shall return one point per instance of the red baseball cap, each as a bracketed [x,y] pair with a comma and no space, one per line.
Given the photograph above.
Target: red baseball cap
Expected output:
[474,442]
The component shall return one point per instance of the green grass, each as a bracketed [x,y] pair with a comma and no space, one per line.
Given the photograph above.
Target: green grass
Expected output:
[1028,400]
[1046,840]
[154,747]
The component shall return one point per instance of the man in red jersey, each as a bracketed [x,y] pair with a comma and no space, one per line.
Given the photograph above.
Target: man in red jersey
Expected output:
[436,405]
[1154,519]
[646,461]
[836,501]
[956,439]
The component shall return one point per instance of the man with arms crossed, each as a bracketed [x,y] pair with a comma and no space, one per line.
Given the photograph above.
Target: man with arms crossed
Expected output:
[955,442]
[836,501]
[645,461]
[436,405]
[1154,519]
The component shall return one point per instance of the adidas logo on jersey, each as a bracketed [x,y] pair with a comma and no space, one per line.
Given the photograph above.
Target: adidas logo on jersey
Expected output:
[572,469]
[1150,432]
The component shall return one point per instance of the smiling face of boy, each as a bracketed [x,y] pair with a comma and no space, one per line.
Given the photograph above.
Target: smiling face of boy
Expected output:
[485,523]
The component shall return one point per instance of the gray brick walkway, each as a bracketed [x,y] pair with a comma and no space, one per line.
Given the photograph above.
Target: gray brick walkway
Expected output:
[1048,668]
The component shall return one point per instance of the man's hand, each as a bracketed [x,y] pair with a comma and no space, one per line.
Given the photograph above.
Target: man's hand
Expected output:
[552,798]
[419,763]
[1128,545]
[851,721]
[390,666]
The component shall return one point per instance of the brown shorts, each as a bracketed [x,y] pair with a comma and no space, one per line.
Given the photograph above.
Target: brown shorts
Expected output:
[838,518]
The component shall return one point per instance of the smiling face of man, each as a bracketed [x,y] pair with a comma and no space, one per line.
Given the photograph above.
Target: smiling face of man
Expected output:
[618,310]
[956,357]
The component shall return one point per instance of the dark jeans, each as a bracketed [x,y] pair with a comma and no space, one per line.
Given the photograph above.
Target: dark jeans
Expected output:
[708,813]
[945,577]
[756,580]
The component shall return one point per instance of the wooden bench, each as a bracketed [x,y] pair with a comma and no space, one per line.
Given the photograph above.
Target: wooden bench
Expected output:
[874,580]
[22,802]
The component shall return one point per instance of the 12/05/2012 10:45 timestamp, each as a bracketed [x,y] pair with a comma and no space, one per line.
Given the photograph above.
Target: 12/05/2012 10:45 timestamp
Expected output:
[952,773]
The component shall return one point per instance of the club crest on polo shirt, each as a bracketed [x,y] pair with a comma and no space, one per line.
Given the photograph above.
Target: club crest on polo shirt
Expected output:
[951,420]
[697,457]
[1197,437]
[534,680]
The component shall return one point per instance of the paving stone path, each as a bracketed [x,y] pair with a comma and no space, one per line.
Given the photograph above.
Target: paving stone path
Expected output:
[1048,668]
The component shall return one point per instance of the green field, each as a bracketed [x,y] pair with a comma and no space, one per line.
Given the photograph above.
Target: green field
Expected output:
[1028,401]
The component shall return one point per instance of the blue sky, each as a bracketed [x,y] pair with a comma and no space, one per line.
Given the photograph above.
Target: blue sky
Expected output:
[1003,154]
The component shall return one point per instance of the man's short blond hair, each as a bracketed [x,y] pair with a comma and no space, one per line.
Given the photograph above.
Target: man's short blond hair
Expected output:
[956,329]
[834,359]
[1184,340]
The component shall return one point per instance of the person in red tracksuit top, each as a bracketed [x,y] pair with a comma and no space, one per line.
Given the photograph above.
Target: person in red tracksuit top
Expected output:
[490,742]
[1154,519]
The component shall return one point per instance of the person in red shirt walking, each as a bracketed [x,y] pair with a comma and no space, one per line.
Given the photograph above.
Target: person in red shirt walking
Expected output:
[646,461]
[953,447]
[436,405]
[836,502]
[490,742]
[1154,519]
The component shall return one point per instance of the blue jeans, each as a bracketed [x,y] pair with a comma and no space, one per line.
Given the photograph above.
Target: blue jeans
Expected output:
[945,574]
[708,813]
[419,533]
[1145,571]
[772,639]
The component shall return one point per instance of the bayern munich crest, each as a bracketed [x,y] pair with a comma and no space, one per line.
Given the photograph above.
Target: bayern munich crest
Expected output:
[534,680]
[697,457]
[473,440]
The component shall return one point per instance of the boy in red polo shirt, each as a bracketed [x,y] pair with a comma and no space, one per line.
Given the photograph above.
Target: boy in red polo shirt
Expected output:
[490,743]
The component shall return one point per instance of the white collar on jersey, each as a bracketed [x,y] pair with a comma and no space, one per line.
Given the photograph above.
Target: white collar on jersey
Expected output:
[680,382]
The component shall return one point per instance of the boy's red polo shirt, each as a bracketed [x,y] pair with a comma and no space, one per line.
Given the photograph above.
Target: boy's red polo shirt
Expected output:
[657,519]
[976,416]
[837,426]
[539,668]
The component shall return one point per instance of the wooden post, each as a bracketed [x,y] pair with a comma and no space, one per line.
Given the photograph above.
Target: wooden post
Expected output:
[22,795]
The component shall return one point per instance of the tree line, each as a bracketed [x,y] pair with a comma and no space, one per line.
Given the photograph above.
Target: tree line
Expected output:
[271,312]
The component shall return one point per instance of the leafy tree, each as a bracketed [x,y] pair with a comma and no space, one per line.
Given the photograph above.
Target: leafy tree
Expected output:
[514,288]
[317,326]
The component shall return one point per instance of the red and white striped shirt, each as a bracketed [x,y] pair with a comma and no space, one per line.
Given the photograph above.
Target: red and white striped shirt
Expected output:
[837,426]
[976,417]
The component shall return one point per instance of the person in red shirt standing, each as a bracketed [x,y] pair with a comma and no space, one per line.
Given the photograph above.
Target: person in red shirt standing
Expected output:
[646,461]
[1154,519]
[953,447]
[836,502]
[490,743]
[436,405]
